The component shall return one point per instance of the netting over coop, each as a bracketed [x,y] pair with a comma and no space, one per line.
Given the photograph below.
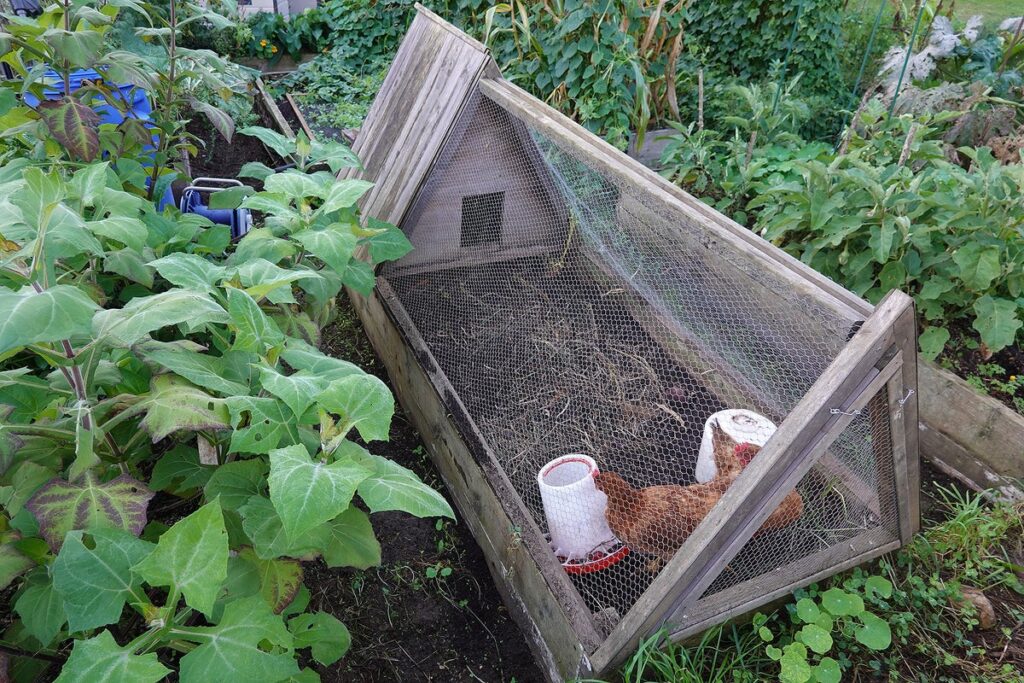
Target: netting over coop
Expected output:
[647,415]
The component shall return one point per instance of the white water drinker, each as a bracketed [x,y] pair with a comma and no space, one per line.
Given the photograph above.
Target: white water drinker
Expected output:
[574,507]
[742,426]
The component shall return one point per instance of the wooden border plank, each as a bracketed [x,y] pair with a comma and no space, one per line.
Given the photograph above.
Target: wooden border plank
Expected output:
[760,487]
[273,110]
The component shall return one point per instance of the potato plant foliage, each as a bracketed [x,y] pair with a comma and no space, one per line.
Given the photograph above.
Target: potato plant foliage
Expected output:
[140,353]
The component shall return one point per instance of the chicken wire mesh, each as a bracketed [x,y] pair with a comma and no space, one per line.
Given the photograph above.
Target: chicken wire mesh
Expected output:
[576,316]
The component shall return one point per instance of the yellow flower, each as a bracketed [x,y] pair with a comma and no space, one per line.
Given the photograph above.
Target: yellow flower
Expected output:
[273,48]
[263,43]
[1013,378]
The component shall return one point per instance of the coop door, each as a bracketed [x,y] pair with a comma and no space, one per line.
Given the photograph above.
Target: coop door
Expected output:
[844,450]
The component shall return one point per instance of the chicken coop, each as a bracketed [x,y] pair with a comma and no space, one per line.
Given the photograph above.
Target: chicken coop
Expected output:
[648,416]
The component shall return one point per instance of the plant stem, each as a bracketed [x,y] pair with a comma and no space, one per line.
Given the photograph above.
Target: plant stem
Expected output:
[67,64]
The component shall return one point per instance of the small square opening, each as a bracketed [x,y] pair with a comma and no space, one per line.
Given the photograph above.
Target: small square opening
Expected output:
[481,219]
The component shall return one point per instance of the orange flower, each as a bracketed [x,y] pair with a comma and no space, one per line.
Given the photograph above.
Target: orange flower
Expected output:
[263,43]
[273,48]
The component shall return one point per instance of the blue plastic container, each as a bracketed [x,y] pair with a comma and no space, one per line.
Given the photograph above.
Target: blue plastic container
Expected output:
[138,100]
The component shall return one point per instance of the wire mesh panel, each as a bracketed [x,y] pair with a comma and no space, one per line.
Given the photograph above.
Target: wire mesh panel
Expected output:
[595,337]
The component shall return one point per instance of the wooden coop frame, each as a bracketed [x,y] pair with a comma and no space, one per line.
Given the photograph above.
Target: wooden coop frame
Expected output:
[436,72]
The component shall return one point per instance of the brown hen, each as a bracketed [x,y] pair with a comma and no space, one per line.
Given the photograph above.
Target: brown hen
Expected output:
[657,520]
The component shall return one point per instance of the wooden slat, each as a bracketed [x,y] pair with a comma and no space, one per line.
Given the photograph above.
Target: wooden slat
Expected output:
[760,487]
[743,599]
[273,110]
[433,75]
[556,622]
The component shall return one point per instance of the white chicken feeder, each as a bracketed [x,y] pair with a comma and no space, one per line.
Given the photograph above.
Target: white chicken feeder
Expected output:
[574,507]
[742,426]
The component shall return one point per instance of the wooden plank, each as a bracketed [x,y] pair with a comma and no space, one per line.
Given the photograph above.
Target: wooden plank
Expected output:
[804,280]
[469,257]
[558,626]
[908,460]
[272,109]
[298,114]
[743,599]
[760,487]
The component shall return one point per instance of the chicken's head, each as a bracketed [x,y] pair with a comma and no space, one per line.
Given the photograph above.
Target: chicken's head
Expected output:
[745,452]
[611,483]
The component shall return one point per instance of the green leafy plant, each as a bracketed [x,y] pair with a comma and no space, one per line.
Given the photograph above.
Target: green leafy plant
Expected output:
[826,622]
[139,357]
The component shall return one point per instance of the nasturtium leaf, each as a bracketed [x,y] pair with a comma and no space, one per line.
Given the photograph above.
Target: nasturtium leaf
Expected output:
[179,470]
[173,404]
[996,321]
[279,143]
[878,585]
[298,391]
[96,582]
[362,401]
[348,541]
[817,639]
[827,671]
[794,668]
[279,579]
[306,492]
[41,608]
[269,423]
[979,265]
[201,369]
[807,610]
[327,638]
[840,603]
[101,659]
[28,317]
[254,331]
[390,245]
[393,487]
[230,651]
[129,231]
[191,556]
[12,564]
[932,341]
[301,356]
[263,527]
[61,506]
[189,271]
[874,632]
[143,315]
[73,124]
[234,483]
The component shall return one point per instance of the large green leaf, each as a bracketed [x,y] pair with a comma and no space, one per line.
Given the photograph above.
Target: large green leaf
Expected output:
[128,230]
[189,271]
[12,564]
[280,579]
[393,487]
[173,404]
[191,556]
[254,331]
[348,541]
[307,493]
[344,194]
[230,651]
[131,264]
[979,265]
[57,313]
[293,184]
[205,370]
[298,391]
[327,637]
[389,245]
[61,506]
[263,527]
[234,483]
[74,125]
[997,321]
[362,401]
[267,422]
[334,245]
[79,48]
[301,356]
[41,608]
[102,659]
[261,278]
[179,471]
[95,582]
[143,315]
[272,139]
[220,119]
